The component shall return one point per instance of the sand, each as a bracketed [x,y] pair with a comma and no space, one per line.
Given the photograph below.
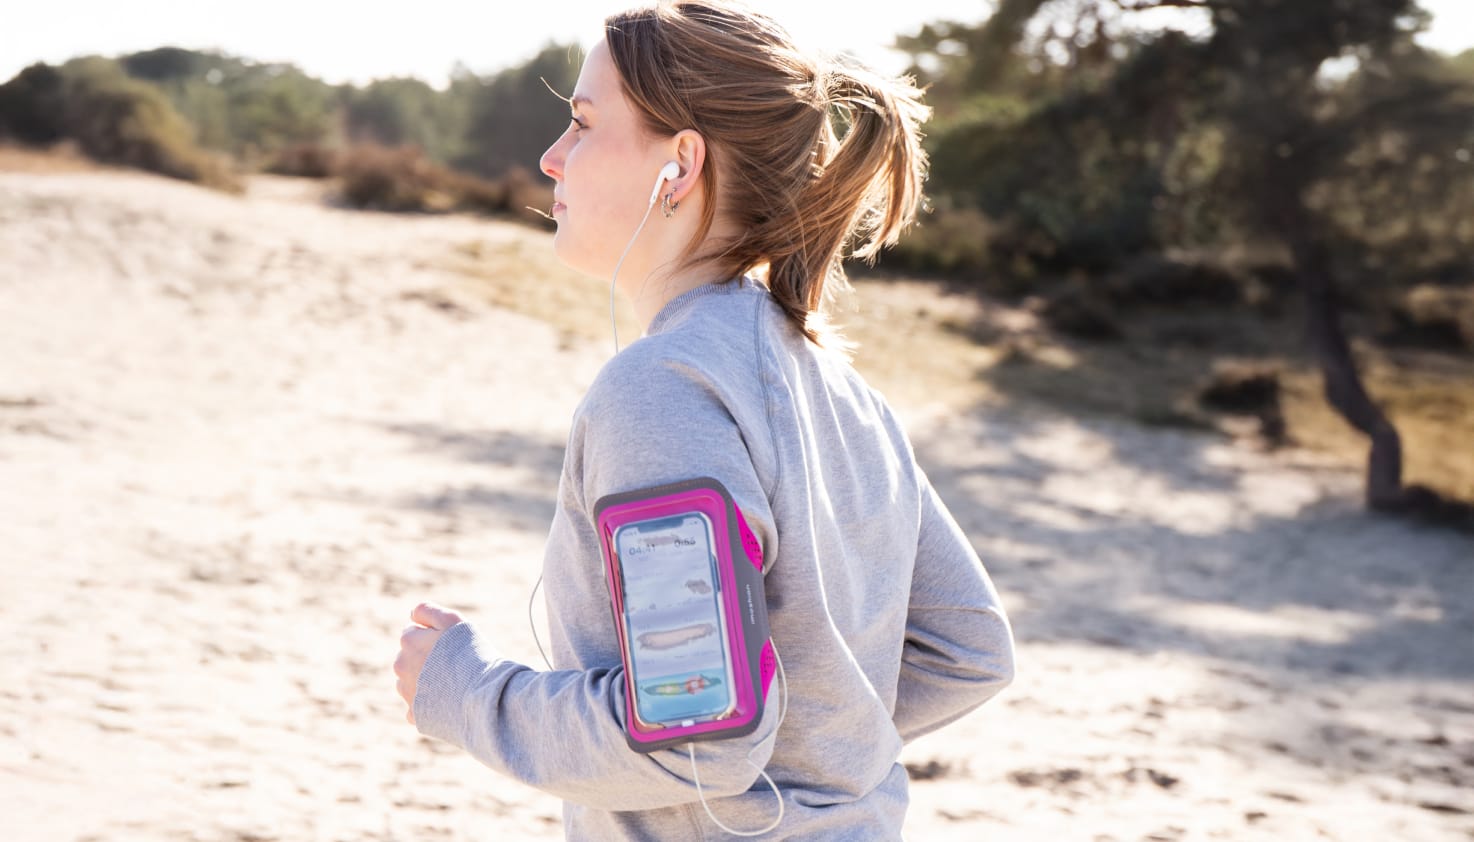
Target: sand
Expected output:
[241,437]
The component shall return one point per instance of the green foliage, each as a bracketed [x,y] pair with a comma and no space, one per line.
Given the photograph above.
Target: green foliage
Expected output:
[250,110]
[395,142]
[274,106]
[1396,188]
[946,242]
[111,117]
[1071,173]
[168,64]
[1061,175]
[208,88]
[1140,144]
[398,112]
[514,117]
[32,106]
[274,117]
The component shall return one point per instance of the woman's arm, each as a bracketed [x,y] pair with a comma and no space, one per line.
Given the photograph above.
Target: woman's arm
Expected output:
[562,731]
[959,646]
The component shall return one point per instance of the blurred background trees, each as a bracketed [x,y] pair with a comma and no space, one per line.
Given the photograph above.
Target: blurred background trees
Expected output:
[1314,133]
[401,144]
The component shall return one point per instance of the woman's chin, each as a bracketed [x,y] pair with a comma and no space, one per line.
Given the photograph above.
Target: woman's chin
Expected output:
[560,246]
[570,257]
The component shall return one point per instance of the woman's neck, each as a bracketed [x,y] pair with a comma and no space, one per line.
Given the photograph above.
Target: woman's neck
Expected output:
[664,283]
[659,292]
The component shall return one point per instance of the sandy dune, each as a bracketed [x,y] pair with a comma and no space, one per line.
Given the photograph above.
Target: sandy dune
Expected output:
[241,437]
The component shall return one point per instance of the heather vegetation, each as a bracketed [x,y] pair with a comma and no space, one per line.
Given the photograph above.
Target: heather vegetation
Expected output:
[394,144]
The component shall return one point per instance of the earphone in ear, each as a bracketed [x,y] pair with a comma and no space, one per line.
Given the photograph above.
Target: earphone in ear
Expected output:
[667,172]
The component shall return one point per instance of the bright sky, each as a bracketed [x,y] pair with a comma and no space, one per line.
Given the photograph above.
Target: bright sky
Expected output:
[343,41]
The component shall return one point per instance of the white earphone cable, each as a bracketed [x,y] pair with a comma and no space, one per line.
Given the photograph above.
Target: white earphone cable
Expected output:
[691,747]
[782,712]
[533,625]
[667,172]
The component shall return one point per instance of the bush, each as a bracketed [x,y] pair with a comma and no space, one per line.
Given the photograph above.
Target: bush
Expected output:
[305,160]
[1242,389]
[112,119]
[1079,311]
[1428,316]
[1248,389]
[1152,279]
[32,106]
[403,179]
[525,190]
[946,242]
[399,179]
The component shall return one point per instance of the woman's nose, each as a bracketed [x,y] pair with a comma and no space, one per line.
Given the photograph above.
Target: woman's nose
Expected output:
[551,162]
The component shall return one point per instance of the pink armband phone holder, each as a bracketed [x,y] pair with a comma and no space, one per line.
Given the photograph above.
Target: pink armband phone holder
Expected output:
[685,576]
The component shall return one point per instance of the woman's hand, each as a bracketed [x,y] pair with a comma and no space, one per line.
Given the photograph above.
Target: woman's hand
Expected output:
[415,643]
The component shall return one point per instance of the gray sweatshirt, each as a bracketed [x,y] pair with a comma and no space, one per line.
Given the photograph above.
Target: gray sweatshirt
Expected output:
[887,624]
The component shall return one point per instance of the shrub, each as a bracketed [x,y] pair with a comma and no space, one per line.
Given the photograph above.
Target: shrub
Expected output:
[1429,316]
[1248,389]
[947,242]
[112,118]
[525,190]
[1152,279]
[403,179]
[305,160]
[399,179]
[32,106]
[1241,389]
[1079,311]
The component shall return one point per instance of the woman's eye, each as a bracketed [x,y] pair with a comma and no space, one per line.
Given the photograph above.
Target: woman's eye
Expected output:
[578,125]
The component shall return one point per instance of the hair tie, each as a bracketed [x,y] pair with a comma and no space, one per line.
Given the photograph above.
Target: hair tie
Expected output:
[820,80]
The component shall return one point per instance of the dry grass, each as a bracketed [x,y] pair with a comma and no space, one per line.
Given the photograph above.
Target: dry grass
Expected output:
[1428,396]
[907,345]
[923,343]
[63,157]
[522,274]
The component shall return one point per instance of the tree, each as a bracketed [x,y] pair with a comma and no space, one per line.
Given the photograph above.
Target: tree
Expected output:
[514,117]
[1283,153]
[404,112]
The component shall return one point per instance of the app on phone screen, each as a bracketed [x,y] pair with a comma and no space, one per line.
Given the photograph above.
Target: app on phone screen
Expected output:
[673,620]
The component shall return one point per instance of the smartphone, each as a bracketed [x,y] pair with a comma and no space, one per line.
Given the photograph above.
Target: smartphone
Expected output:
[675,630]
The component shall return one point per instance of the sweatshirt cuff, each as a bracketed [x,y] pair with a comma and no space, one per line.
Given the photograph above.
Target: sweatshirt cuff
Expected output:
[458,660]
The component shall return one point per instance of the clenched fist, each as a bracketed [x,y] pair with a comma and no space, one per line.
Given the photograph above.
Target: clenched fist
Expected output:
[415,643]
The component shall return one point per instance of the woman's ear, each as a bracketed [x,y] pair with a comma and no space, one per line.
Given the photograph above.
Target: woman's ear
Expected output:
[691,155]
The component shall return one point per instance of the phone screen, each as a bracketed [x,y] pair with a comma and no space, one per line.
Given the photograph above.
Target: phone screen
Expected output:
[674,627]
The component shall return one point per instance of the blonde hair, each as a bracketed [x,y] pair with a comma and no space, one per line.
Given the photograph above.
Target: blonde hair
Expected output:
[799,193]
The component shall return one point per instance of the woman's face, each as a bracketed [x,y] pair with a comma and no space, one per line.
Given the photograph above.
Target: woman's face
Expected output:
[604,169]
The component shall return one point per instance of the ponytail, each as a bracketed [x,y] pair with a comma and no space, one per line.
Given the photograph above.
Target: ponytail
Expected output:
[799,192]
[864,191]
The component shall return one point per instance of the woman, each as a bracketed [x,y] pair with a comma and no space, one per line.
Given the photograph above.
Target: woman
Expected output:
[888,625]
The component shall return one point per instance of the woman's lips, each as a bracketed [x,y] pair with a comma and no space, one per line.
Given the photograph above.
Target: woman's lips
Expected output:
[558,206]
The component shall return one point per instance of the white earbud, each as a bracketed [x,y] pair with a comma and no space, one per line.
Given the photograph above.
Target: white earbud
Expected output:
[667,172]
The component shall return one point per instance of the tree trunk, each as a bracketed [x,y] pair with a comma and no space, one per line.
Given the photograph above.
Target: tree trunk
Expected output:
[1340,380]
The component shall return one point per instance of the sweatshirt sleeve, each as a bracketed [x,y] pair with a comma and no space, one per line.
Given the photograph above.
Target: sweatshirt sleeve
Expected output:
[562,730]
[958,650]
